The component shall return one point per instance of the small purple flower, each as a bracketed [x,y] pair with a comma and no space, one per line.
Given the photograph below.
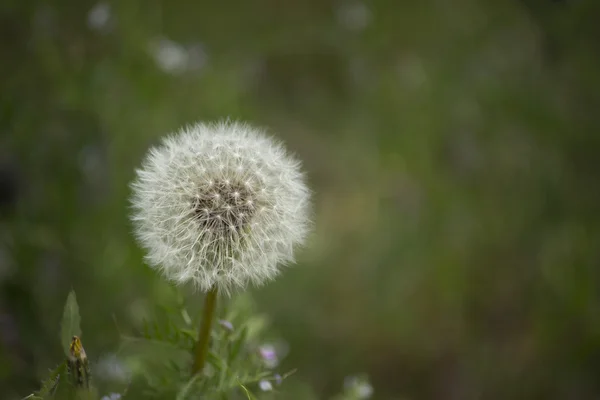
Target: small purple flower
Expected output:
[268,352]
[269,355]
[278,379]
[228,326]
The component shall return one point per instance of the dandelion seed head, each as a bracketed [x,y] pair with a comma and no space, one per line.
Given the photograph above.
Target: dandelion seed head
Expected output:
[220,204]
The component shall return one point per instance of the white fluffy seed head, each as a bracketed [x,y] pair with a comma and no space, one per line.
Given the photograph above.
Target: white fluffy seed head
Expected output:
[220,204]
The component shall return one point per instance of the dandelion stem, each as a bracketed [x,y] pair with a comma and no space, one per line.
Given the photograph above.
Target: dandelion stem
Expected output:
[210,302]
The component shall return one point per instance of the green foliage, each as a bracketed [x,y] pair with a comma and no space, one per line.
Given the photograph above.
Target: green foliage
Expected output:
[71,321]
[66,380]
[50,385]
[160,358]
[454,169]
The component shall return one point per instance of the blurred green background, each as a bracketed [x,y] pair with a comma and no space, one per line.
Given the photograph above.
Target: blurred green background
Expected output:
[453,148]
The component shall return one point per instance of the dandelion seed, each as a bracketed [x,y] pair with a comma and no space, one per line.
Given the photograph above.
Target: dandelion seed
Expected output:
[203,220]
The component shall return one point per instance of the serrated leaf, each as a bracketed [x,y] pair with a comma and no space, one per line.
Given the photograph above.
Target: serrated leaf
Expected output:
[64,389]
[49,385]
[71,321]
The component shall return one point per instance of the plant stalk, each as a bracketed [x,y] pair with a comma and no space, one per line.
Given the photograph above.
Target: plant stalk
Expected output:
[210,303]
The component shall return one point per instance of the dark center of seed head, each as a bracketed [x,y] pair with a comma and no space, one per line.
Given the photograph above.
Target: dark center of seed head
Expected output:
[224,206]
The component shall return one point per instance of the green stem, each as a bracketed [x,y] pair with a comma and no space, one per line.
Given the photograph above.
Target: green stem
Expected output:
[210,303]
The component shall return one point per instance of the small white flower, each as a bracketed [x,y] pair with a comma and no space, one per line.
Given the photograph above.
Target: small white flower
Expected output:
[265,385]
[220,204]
[358,386]
[112,368]
[99,16]
[364,390]
[112,396]
[354,15]
[169,55]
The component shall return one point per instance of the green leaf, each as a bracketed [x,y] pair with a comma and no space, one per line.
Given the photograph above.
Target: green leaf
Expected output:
[190,333]
[157,331]
[65,390]
[236,346]
[153,359]
[247,392]
[189,386]
[49,385]
[214,360]
[71,321]
[289,373]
